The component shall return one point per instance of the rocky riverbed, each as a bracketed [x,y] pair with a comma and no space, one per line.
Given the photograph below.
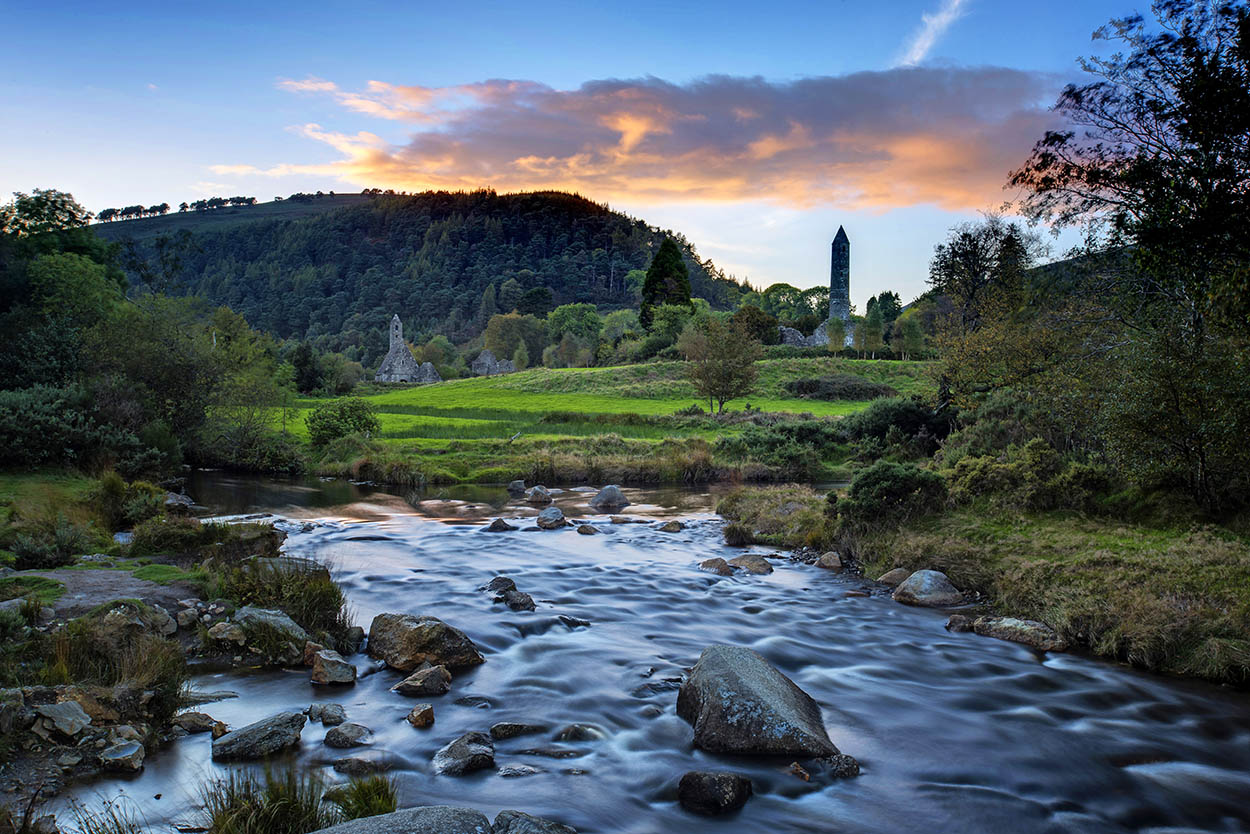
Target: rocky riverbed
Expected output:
[583,709]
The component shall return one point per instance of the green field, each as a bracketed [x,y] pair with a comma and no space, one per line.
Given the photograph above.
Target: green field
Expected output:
[583,424]
[223,218]
[572,402]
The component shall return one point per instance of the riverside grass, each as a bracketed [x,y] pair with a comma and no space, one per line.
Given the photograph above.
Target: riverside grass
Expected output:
[1171,597]
[578,425]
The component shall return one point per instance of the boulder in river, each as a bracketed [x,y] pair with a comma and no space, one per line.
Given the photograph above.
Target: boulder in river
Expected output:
[538,495]
[587,529]
[250,617]
[470,752]
[328,666]
[517,600]
[512,729]
[894,576]
[1029,632]
[432,680]
[348,735]
[717,566]
[739,703]
[830,560]
[517,486]
[752,563]
[673,526]
[609,498]
[125,756]
[421,716]
[195,722]
[551,518]
[713,792]
[261,738]
[425,819]
[515,822]
[499,526]
[928,588]
[405,642]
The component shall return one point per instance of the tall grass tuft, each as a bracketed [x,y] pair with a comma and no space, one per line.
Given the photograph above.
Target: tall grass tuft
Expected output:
[309,597]
[111,818]
[286,802]
[368,796]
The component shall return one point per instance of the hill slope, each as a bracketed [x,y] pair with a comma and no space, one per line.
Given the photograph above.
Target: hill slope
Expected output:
[335,269]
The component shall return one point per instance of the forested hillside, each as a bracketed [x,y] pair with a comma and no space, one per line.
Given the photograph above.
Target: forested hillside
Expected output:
[335,277]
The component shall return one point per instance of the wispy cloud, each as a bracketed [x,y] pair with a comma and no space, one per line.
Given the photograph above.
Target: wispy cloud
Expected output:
[876,140]
[932,27]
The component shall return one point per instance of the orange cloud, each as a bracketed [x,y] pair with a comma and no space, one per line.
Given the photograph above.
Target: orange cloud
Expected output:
[871,140]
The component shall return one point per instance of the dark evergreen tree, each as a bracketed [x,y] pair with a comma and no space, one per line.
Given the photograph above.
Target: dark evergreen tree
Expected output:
[307,368]
[668,281]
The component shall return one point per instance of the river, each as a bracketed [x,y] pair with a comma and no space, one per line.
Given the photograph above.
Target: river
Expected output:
[954,732]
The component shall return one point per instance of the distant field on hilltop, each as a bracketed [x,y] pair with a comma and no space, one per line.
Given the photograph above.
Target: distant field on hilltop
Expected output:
[216,220]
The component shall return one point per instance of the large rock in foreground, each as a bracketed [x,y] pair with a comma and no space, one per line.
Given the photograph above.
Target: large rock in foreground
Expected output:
[739,703]
[711,793]
[929,588]
[470,752]
[428,819]
[260,739]
[515,822]
[405,642]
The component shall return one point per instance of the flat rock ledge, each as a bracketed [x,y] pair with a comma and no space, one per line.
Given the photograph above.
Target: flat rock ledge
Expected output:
[444,819]
[738,702]
[261,738]
[1030,633]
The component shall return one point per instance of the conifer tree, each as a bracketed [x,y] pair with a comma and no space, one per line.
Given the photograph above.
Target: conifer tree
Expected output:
[667,282]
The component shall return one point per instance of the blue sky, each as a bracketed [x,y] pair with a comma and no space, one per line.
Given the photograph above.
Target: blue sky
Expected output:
[895,119]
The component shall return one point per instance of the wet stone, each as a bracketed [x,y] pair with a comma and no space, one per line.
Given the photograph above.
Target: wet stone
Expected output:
[421,716]
[348,735]
[509,729]
[712,793]
[469,752]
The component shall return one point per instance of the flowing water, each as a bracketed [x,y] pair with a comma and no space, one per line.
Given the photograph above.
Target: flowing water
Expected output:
[954,732]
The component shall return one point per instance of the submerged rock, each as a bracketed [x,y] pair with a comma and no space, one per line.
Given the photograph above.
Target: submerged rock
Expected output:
[673,526]
[538,495]
[510,729]
[405,642]
[426,819]
[752,563]
[195,722]
[717,566]
[518,600]
[515,822]
[894,577]
[711,792]
[739,703]
[499,526]
[432,680]
[470,752]
[551,518]
[587,529]
[348,735]
[498,585]
[580,732]
[261,738]
[1029,632]
[929,588]
[609,498]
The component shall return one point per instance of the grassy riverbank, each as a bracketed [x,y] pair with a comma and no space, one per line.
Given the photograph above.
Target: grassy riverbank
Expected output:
[585,425]
[1171,597]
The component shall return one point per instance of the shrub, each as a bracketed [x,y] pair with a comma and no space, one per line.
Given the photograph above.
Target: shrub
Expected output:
[289,802]
[838,387]
[365,797]
[887,494]
[123,505]
[341,418]
[798,448]
[42,548]
[46,425]
[309,597]
[1029,477]
[912,417]
[786,516]
[172,534]
[738,534]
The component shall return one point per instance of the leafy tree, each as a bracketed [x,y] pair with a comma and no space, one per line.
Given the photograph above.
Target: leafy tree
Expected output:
[487,307]
[978,259]
[43,210]
[890,305]
[72,287]
[912,337]
[521,356]
[859,336]
[618,323]
[505,332]
[835,328]
[580,320]
[667,282]
[535,302]
[721,364]
[340,418]
[873,331]
[307,368]
[510,293]
[762,327]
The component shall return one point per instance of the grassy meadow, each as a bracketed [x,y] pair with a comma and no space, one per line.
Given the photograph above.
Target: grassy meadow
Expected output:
[580,424]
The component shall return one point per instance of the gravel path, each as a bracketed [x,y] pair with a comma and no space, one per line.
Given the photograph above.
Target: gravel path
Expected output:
[86,589]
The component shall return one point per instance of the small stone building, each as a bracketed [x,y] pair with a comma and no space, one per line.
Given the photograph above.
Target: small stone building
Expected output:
[400,365]
[487,365]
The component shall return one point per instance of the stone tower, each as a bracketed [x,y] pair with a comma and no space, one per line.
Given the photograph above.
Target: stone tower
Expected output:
[397,331]
[840,277]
